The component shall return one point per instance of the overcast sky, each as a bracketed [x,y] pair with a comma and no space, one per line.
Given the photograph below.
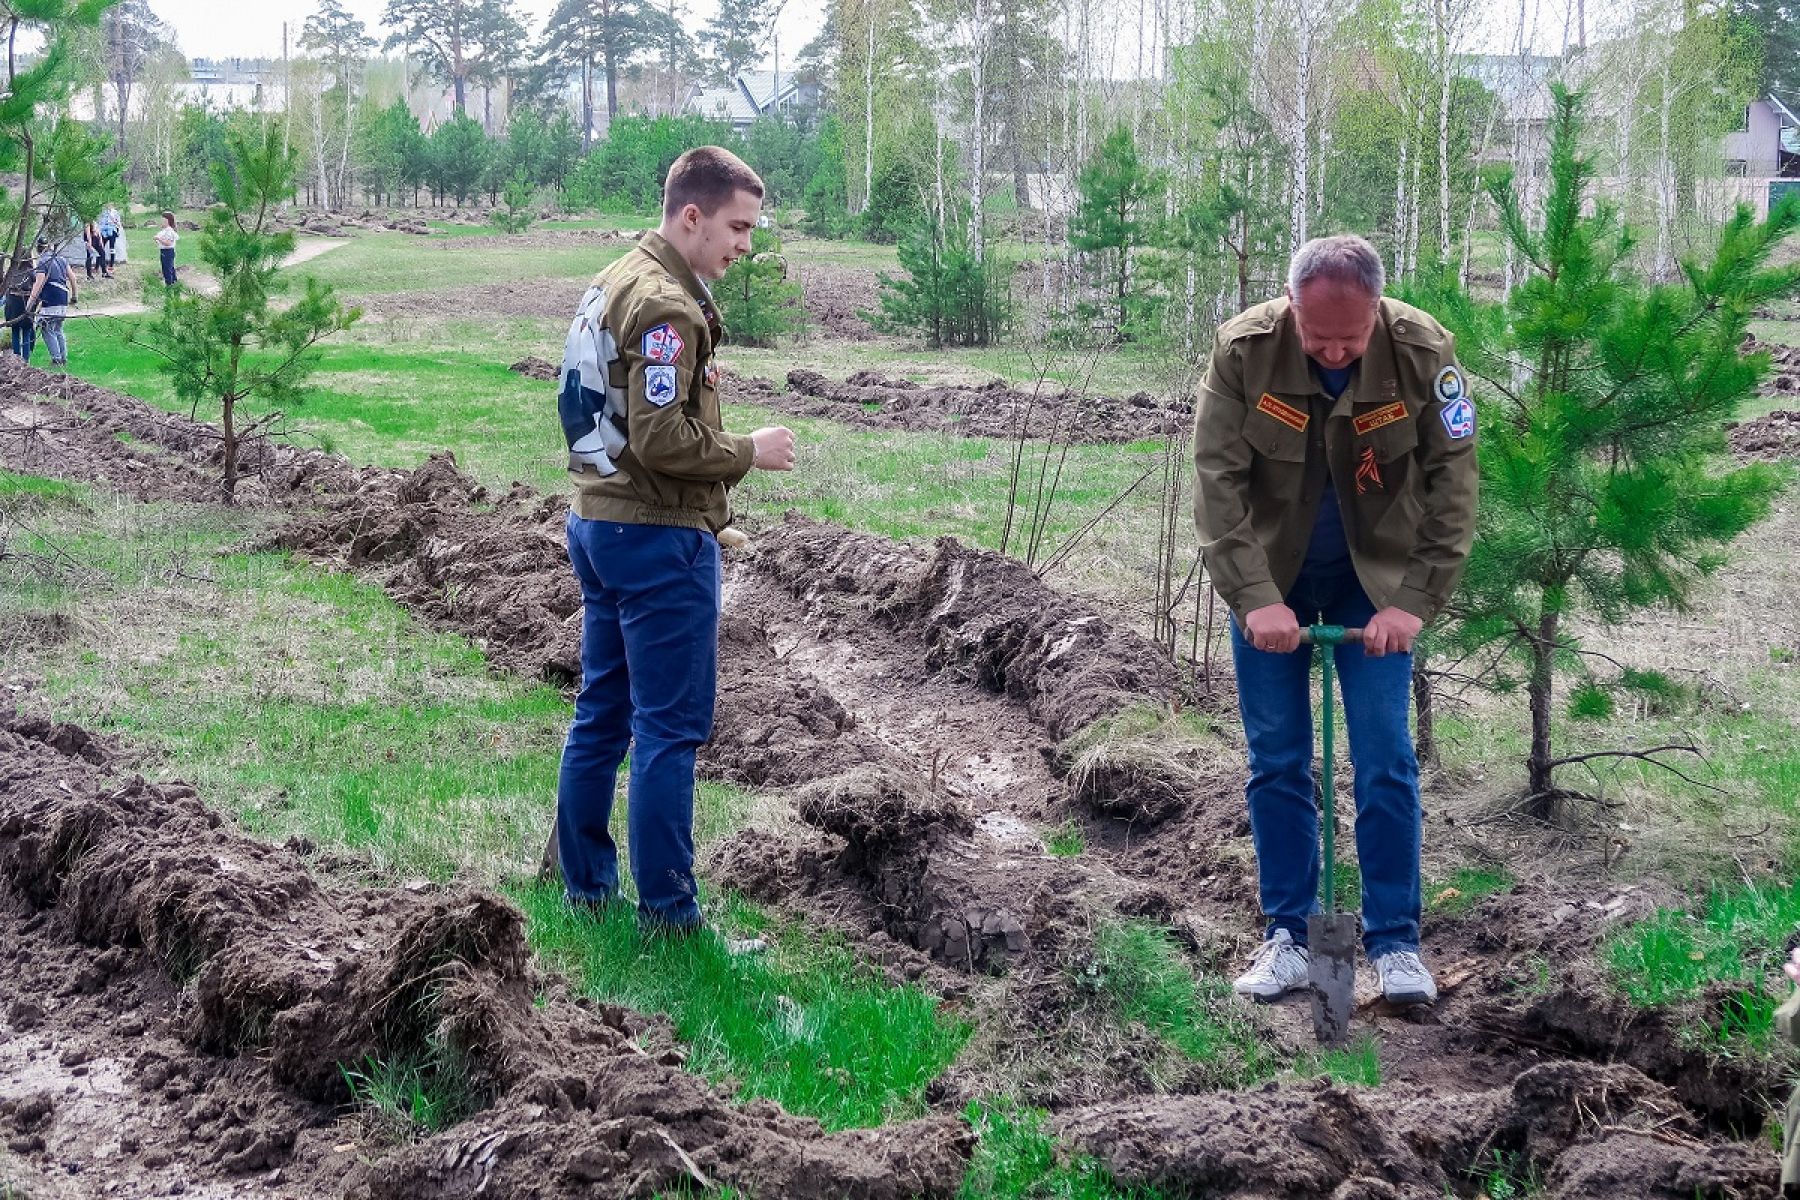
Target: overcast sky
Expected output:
[210,29]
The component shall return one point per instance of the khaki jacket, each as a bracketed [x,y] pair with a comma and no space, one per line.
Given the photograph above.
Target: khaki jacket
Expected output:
[1399,444]
[660,331]
[1787,1023]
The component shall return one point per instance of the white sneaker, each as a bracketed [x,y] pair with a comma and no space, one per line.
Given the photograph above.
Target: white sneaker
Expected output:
[1404,979]
[1278,968]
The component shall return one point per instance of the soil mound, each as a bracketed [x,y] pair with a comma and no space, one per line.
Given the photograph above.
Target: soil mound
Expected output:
[1768,439]
[836,298]
[535,368]
[219,992]
[979,614]
[871,400]
[1571,1123]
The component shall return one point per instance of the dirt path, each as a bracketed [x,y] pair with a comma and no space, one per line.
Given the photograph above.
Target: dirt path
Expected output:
[305,250]
[912,705]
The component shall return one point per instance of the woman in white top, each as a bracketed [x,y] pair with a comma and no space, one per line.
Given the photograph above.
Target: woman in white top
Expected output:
[166,237]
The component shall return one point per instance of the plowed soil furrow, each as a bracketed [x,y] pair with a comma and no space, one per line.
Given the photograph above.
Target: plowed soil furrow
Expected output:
[901,700]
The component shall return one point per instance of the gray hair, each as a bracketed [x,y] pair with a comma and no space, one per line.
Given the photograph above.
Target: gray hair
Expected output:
[1345,259]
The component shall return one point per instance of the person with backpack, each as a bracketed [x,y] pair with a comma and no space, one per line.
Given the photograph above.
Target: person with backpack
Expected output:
[110,228]
[52,293]
[652,468]
[18,312]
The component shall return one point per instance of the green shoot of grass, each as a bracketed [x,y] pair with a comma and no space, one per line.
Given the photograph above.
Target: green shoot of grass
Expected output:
[1739,937]
[1016,1158]
[1466,888]
[1356,1065]
[804,1024]
[409,1098]
[1066,841]
[1142,975]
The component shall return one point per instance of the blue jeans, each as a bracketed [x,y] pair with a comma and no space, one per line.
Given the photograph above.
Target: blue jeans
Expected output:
[168,266]
[649,672]
[54,339]
[1275,699]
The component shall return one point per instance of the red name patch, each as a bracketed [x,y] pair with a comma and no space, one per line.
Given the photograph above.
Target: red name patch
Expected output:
[1284,412]
[1387,414]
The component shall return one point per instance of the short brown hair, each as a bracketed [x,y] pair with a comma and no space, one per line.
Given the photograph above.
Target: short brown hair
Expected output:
[708,176]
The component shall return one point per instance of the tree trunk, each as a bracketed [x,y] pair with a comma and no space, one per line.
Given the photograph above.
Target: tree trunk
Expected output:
[612,92]
[228,440]
[1541,691]
[587,105]
[869,120]
[1425,739]
[978,156]
[1302,143]
[1443,130]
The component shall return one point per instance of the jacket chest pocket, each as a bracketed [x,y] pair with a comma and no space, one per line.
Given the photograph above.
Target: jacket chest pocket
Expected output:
[1276,439]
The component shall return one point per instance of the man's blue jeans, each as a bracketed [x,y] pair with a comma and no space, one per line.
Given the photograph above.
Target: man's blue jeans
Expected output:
[649,675]
[1275,699]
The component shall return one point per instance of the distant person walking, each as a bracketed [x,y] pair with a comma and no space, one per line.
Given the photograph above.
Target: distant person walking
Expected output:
[166,237]
[18,310]
[111,227]
[52,292]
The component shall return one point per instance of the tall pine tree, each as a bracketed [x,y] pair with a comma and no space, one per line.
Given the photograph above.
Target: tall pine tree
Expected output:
[1115,217]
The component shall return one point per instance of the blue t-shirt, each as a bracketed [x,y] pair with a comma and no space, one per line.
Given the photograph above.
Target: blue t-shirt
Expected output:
[1329,549]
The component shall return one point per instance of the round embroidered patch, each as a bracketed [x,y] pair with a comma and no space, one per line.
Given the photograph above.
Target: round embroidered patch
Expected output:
[1450,385]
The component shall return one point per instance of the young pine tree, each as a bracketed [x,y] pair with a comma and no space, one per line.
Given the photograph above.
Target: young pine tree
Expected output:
[948,298]
[756,302]
[1115,217]
[236,346]
[1604,484]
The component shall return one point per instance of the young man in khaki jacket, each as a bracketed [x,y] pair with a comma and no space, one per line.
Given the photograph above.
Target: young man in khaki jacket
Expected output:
[1335,462]
[652,466]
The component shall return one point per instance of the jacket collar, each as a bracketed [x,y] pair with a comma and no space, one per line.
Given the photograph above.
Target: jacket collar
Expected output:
[670,259]
[1377,378]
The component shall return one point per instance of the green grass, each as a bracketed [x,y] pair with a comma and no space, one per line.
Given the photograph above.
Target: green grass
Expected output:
[1016,1158]
[1066,841]
[378,264]
[1357,1064]
[1739,936]
[1467,887]
[407,1100]
[1142,976]
[805,1024]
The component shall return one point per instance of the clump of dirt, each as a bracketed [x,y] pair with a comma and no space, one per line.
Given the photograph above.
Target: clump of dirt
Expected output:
[212,989]
[871,400]
[1730,1092]
[980,614]
[1770,438]
[535,368]
[1564,1121]
[775,728]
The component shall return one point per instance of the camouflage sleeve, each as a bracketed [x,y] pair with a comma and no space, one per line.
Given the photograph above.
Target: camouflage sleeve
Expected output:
[668,432]
[1446,457]
[1235,560]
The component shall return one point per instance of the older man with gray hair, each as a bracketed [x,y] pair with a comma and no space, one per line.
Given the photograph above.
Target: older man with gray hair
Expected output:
[1334,456]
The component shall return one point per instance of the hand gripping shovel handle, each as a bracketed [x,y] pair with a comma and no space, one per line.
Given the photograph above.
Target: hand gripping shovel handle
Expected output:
[1331,936]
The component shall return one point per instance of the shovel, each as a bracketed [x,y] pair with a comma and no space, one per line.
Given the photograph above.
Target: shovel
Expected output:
[1331,936]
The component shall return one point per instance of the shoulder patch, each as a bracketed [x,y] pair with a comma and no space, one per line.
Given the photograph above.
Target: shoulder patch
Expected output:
[662,344]
[1451,385]
[659,385]
[1459,418]
[1284,412]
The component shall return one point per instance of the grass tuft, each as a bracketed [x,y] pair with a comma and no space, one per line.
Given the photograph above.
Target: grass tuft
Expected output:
[1016,1158]
[408,1099]
[805,1024]
[1143,977]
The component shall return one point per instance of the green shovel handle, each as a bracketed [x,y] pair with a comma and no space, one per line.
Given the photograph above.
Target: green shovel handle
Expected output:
[1329,635]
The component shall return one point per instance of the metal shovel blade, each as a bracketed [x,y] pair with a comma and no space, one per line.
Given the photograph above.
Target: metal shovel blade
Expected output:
[1331,974]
